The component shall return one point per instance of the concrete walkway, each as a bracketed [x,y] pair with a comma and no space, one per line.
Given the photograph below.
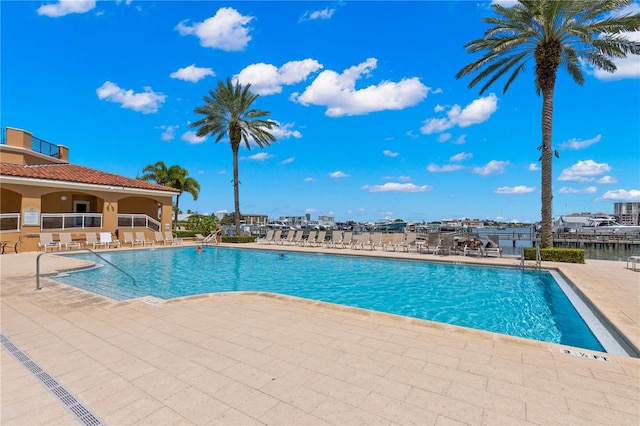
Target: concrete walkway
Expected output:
[254,358]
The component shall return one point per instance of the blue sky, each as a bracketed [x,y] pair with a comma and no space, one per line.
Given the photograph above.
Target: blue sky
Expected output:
[373,123]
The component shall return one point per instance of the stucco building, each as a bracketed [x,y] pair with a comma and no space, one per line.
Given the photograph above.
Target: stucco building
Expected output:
[42,192]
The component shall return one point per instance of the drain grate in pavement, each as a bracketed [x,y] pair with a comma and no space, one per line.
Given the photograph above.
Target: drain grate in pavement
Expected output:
[82,413]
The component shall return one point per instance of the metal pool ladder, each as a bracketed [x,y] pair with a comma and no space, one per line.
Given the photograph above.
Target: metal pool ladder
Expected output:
[133,280]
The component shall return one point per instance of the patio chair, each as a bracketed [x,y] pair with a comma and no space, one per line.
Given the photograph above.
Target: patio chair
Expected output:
[290,236]
[374,240]
[345,241]
[336,238]
[266,238]
[168,235]
[128,239]
[67,242]
[140,237]
[432,242]
[46,242]
[358,241]
[492,248]
[108,241]
[473,246]
[320,237]
[409,241]
[446,244]
[277,236]
[310,239]
[297,238]
[91,238]
[159,238]
[396,240]
[199,238]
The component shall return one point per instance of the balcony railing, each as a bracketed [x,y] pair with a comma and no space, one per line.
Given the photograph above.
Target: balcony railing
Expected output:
[60,221]
[44,147]
[9,222]
[138,221]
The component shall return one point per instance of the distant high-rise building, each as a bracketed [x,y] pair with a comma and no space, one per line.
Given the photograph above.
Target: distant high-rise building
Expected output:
[627,213]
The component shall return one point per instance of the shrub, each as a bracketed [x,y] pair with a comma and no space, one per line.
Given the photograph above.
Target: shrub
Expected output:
[240,239]
[556,254]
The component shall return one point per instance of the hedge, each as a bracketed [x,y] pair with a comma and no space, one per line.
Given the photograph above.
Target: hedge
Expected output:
[240,239]
[556,254]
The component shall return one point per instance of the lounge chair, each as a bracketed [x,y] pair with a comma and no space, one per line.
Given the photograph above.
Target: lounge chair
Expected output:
[492,248]
[67,242]
[432,242]
[108,241]
[297,238]
[347,238]
[336,238]
[140,237]
[396,240]
[92,239]
[374,240]
[473,246]
[159,238]
[199,238]
[168,235]
[311,238]
[290,236]
[409,241]
[446,244]
[46,242]
[128,239]
[277,235]
[358,241]
[320,237]
[266,238]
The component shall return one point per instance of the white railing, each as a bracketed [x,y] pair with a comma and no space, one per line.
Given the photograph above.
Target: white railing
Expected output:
[138,221]
[10,222]
[59,221]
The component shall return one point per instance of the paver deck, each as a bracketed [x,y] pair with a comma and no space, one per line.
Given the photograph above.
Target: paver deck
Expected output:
[255,358]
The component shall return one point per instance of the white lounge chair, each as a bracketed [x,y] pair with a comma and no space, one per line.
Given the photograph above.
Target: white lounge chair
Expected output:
[46,242]
[297,238]
[168,235]
[347,240]
[128,239]
[277,236]
[108,241]
[67,242]
[446,244]
[159,238]
[409,241]
[320,237]
[492,248]
[311,238]
[266,238]
[396,240]
[140,237]
[374,240]
[92,239]
[290,236]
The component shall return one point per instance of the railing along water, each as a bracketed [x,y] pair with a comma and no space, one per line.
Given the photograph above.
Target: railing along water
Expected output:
[72,251]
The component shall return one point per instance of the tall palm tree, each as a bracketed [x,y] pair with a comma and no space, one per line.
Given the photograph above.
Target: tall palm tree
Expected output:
[551,33]
[174,177]
[227,113]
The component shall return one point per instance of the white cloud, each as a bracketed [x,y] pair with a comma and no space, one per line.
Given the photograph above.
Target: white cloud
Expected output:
[622,195]
[65,7]
[607,180]
[261,156]
[147,102]
[404,178]
[412,135]
[169,133]
[438,108]
[578,144]
[227,30]
[285,131]
[476,112]
[267,79]
[288,160]
[338,92]
[389,153]
[443,137]
[584,171]
[520,189]
[192,138]
[587,190]
[434,168]
[338,174]
[309,179]
[325,13]
[533,167]
[493,167]
[192,73]
[461,156]
[396,187]
[460,140]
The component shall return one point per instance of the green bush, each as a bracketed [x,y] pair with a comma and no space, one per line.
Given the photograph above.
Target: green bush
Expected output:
[556,254]
[240,239]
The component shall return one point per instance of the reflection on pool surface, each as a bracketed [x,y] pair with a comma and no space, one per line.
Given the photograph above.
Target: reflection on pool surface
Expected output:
[528,304]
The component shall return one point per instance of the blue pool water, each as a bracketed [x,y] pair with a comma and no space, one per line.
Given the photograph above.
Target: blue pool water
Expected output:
[528,304]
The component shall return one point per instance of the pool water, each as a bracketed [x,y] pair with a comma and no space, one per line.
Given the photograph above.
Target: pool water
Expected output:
[511,301]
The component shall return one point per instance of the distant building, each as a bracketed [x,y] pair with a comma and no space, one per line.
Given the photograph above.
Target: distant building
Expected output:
[255,219]
[627,213]
[327,221]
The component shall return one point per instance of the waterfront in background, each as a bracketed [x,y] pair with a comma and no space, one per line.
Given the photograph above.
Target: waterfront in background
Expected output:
[528,235]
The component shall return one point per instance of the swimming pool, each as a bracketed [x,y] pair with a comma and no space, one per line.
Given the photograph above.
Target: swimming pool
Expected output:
[511,301]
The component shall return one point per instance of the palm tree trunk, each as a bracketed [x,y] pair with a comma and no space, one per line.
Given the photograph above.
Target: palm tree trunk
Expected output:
[175,217]
[547,160]
[236,184]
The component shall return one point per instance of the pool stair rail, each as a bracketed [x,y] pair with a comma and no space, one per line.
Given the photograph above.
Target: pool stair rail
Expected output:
[133,280]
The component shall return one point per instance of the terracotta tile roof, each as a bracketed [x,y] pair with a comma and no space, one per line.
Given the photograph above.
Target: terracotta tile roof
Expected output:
[77,174]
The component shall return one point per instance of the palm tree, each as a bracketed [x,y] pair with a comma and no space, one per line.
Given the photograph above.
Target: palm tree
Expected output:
[552,33]
[174,177]
[227,113]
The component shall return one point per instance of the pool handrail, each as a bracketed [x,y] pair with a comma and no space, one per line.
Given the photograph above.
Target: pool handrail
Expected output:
[76,250]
